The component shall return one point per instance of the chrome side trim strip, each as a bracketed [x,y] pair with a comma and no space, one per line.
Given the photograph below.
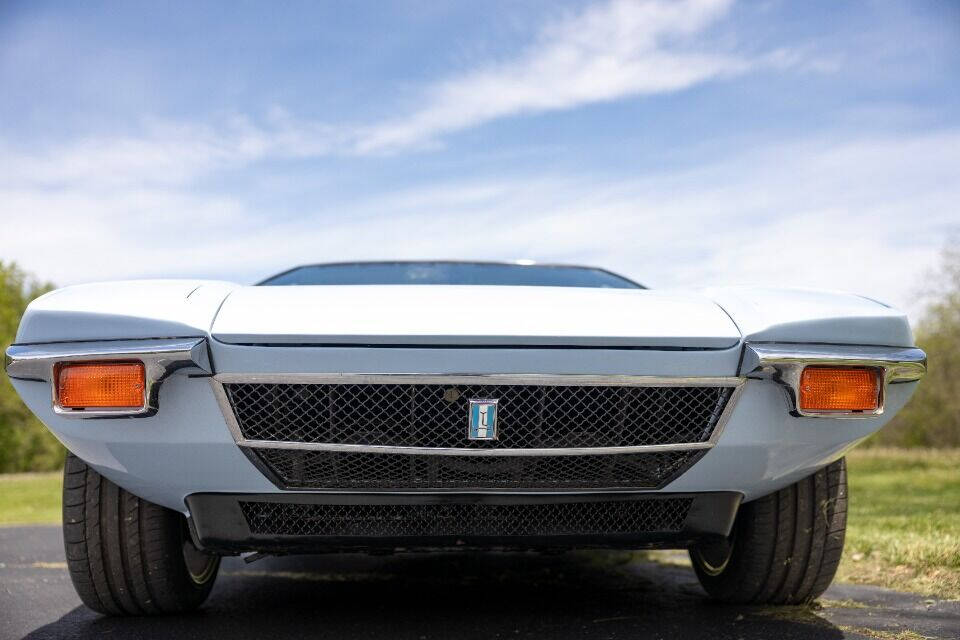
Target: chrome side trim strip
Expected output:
[161,358]
[727,411]
[783,363]
[217,382]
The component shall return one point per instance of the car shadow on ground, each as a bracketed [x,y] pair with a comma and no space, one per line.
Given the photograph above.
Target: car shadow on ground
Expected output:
[456,595]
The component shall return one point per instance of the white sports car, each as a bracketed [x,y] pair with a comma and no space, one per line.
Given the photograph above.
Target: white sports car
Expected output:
[388,406]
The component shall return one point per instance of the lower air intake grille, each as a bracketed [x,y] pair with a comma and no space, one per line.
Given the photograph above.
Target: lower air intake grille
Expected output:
[465,520]
[342,470]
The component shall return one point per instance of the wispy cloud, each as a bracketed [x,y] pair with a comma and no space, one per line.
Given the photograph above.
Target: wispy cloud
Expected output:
[862,211]
[605,52]
[167,153]
[864,214]
[621,48]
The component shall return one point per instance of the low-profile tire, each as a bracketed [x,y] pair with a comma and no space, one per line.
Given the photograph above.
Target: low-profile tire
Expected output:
[127,556]
[784,548]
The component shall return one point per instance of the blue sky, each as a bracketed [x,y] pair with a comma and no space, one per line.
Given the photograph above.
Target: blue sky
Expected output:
[683,143]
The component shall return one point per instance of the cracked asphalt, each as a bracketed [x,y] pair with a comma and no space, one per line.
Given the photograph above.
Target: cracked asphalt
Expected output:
[452,595]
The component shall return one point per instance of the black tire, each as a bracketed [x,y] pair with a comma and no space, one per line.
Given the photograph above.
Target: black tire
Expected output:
[127,556]
[784,548]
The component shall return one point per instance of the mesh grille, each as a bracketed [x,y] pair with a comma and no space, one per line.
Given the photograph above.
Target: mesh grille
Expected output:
[339,470]
[363,520]
[433,415]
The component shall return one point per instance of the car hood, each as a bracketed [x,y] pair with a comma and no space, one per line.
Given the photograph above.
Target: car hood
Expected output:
[472,315]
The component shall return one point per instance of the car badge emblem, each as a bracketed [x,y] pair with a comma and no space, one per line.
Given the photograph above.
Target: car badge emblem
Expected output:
[483,420]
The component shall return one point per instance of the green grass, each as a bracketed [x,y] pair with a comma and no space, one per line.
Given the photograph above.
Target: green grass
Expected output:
[30,498]
[903,530]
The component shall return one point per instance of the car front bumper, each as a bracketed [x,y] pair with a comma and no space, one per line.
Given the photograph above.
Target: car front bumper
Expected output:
[186,447]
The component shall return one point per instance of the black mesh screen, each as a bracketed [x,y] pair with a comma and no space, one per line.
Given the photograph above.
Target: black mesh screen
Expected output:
[433,415]
[478,519]
[342,470]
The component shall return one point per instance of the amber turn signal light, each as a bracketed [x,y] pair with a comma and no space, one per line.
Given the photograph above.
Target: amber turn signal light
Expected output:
[97,385]
[839,389]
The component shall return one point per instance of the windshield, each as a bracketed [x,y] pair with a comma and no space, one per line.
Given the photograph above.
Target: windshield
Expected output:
[468,273]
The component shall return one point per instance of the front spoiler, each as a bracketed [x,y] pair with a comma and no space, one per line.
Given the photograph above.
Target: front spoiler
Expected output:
[219,525]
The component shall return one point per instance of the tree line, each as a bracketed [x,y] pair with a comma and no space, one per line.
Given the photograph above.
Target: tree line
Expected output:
[930,419]
[25,444]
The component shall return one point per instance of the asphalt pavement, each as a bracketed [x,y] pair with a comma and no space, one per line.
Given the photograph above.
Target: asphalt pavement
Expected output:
[450,595]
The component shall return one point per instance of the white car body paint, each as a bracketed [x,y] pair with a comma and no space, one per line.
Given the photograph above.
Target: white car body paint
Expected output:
[186,447]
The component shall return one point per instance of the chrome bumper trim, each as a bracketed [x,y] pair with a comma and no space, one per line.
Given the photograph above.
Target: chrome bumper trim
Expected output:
[453,451]
[783,363]
[160,358]
[545,379]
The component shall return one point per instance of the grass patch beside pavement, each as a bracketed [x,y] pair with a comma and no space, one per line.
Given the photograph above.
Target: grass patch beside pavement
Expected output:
[903,528]
[30,498]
